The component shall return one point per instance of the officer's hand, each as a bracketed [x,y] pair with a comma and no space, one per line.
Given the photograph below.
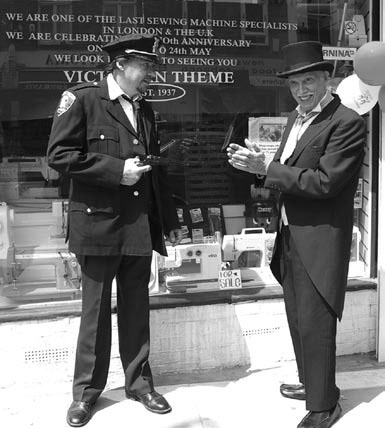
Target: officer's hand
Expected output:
[133,171]
[175,236]
[249,158]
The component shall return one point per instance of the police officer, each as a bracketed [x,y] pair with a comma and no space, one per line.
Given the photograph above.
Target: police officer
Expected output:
[119,212]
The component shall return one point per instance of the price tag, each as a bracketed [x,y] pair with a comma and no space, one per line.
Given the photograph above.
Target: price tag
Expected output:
[229,279]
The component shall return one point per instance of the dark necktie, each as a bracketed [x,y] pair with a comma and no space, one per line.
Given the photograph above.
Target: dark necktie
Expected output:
[139,120]
[142,138]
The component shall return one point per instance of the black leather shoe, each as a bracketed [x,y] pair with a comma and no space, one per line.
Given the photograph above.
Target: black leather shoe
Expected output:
[79,413]
[321,419]
[296,391]
[152,401]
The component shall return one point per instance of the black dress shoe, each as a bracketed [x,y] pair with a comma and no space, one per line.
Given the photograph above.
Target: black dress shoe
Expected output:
[152,401]
[79,413]
[321,419]
[296,391]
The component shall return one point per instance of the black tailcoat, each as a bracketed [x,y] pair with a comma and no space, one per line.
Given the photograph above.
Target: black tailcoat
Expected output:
[317,185]
[311,256]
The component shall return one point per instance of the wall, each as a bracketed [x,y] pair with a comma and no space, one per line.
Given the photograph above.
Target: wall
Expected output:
[253,335]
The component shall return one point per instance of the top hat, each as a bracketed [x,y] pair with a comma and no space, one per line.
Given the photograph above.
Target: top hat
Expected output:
[143,46]
[302,57]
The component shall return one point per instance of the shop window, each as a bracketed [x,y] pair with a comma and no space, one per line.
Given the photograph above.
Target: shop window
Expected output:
[216,84]
[121,9]
[58,22]
[198,9]
[254,12]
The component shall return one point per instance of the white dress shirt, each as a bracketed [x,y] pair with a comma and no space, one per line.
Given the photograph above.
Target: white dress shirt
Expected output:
[301,123]
[114,92]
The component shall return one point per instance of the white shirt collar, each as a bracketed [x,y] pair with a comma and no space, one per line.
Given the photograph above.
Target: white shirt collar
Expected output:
[114,90]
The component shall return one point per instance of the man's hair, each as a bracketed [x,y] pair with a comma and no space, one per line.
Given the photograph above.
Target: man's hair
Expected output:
[110,67]
[113,65]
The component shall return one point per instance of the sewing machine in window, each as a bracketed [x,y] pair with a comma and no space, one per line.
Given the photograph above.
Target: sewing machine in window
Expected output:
[250,251]
[35,264]
[191,267]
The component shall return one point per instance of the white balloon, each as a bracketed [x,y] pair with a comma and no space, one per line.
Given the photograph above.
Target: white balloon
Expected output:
[357,95]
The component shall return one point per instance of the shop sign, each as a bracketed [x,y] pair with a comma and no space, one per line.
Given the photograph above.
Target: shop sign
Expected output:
[338,53]
[164,92]
[350,27]
[229,279]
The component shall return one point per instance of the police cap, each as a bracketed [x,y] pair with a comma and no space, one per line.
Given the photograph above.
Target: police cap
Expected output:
[143,46]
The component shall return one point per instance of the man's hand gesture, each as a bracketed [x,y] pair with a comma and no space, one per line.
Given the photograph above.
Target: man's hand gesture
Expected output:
[250,158]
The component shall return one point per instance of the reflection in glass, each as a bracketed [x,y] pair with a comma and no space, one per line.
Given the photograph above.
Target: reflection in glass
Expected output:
[222,56]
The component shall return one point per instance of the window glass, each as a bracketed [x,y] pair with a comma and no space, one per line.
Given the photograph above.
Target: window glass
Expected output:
[216,84]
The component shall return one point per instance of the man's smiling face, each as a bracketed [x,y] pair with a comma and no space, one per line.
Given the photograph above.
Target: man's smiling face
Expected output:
[309,88]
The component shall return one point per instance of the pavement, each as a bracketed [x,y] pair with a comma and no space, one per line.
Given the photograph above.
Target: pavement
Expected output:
[231,398]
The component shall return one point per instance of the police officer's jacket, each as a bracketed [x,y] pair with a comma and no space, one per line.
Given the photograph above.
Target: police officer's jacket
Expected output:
[90,139]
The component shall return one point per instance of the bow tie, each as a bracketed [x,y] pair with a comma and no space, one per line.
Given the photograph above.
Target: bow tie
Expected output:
[302,118]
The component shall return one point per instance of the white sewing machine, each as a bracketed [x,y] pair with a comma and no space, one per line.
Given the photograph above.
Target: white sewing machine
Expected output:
[191,266]
[250,251]
[34,272]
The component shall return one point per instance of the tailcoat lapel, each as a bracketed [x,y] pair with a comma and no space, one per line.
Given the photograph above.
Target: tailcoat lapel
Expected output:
[286,132]
[315,128]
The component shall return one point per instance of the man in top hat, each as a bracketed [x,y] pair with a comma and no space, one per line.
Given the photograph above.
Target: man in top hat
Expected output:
[315,171]
[119,211]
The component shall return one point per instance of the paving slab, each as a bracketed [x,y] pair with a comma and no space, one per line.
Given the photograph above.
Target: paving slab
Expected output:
[233,398]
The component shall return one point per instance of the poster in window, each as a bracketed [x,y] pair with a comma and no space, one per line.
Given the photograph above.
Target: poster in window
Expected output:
[267,132]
